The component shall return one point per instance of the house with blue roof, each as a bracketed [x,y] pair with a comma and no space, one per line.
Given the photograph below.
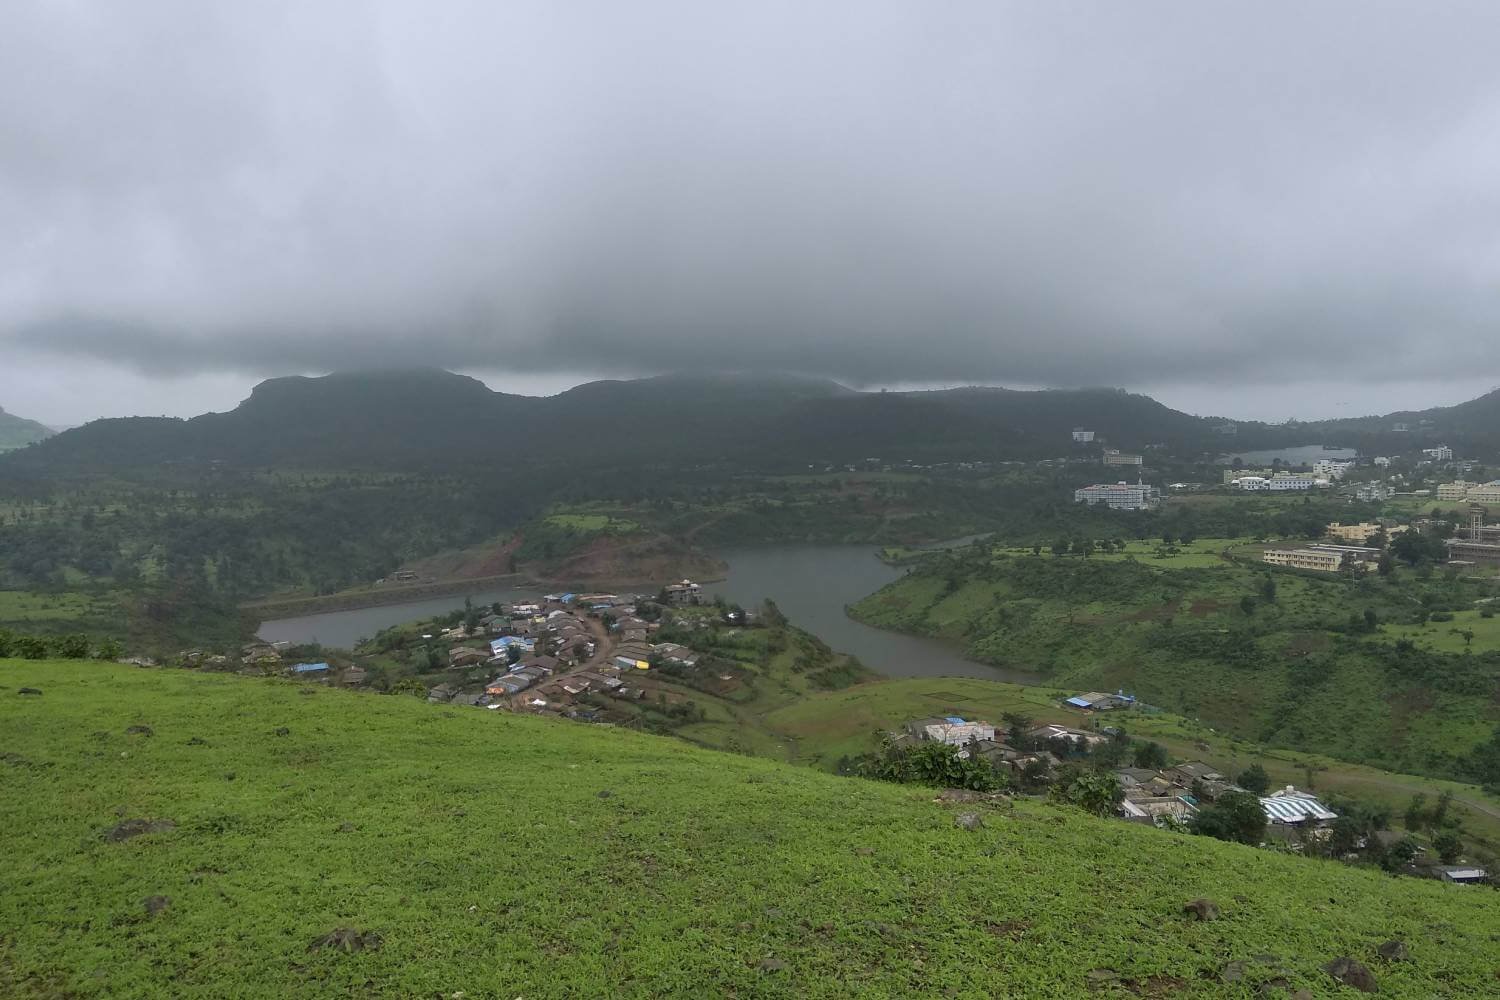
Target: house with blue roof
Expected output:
[310,668]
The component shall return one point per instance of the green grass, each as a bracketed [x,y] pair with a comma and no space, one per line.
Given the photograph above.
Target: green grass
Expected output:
[483,850]
[1447,637]
[593,523]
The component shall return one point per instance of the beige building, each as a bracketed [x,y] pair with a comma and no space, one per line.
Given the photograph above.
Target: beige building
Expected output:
[1355,534]
[1310,559]
[1457,490]
[1113,457]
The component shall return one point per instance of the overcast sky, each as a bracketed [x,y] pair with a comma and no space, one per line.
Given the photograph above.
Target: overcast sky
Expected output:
[1267,210]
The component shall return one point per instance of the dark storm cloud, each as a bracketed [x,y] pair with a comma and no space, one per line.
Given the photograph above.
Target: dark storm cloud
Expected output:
[979,191]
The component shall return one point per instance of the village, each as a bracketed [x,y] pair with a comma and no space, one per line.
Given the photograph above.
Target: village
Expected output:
[564,654]
[1152,791]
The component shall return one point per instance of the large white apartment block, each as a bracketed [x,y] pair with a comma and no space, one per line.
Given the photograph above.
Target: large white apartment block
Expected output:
[1442,453]
[1331,468]
[1113,456]
[1119,496]
[1276,484]
[1082,436]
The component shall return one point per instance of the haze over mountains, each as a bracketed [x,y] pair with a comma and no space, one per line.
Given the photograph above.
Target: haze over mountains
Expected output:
[17,432]
[425,418]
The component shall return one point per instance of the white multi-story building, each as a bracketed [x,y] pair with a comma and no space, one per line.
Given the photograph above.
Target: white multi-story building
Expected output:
[1311,559]
[1331,468]
[1276,484]
[1081,436]
[1113,456]
[1442,453]
[1119,496]
[1456,490]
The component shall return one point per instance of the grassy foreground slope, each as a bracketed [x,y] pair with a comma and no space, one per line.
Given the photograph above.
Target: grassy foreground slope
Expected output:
[498,855]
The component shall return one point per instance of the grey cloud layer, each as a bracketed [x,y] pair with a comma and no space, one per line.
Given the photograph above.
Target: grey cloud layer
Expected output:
[877,191]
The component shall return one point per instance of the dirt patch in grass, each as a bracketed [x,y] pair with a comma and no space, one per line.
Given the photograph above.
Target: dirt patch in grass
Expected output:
[1204,606]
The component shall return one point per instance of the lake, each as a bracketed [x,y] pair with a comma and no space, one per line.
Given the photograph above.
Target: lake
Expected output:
[810,583]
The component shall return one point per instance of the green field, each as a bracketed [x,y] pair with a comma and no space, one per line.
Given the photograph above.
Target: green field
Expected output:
[492,855]
[593,523]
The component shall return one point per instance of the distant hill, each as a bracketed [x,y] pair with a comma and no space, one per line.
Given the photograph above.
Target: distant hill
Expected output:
[433,419]
[18,432]
[420,418]
[172,832]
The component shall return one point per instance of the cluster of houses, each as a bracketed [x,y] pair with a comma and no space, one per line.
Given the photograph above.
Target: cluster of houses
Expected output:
[545,654]
[1157,796]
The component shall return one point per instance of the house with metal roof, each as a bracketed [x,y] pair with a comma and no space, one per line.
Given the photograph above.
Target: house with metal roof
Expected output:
[1098,701]
[310,668]
[1462,874]
[1290,807]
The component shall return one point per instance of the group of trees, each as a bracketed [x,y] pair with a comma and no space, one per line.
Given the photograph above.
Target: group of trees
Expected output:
[929,763]
[74,646]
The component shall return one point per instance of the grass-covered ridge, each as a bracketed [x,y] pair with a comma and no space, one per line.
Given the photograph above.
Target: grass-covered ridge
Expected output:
[507,856]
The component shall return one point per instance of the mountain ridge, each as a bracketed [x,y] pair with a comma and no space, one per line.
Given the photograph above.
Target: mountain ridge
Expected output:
[414,418]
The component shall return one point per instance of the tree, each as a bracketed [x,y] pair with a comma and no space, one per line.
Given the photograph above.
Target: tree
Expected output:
[1152,755]
[109,649]
[1372,620]
[1385,564]
[1060,547]
[1098,792]
[1254,779]
[1416,811]
[73,647]
[1247,604]
[1236,817]
[1268,590]
[1448,847]
[1036,549]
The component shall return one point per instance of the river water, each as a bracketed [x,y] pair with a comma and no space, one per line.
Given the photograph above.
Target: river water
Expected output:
[811,584]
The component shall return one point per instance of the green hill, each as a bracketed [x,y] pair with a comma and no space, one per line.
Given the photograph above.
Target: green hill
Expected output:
[313,842]
[1290,671]
[18,432]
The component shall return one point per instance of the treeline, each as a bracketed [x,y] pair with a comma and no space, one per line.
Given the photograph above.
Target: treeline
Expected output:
[74,646]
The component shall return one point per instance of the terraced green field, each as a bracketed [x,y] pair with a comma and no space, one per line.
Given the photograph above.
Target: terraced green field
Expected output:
[308,842]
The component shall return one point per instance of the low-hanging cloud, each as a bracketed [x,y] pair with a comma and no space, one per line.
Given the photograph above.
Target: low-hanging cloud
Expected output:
[878,191]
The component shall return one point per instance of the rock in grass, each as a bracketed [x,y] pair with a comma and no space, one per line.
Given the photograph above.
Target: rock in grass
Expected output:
[348,940]
[137,827]
[968,821]
[139,731]
[1201,909]
[155,904]
[771,965]
[1394,951]
[29,691]
[1351,973]
[283,731]
[1232,972]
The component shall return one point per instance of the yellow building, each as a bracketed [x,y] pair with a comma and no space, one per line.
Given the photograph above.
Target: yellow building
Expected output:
[1353,534]
[1457,490]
